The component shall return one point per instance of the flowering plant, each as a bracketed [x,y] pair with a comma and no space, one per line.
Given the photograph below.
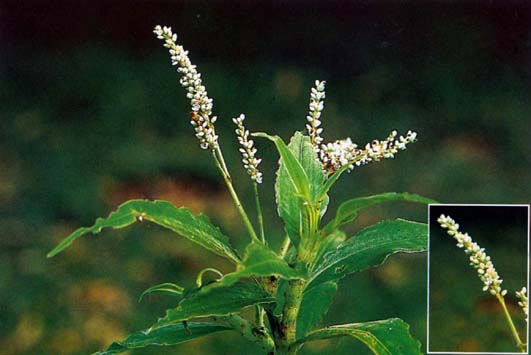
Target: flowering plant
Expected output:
[487,273]
[293,288]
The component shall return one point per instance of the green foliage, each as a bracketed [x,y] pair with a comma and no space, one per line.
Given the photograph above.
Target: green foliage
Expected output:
[290,206]
[171,334]
[259,260]
[385,337]
[216,300]
[369,248]
[293,289]
[166,287]
[196,228]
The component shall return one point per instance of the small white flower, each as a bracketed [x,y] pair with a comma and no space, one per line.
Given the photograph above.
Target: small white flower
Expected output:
[190,79]
[317,96]
[250,163]
[522,295]
[479,260]
[343,152]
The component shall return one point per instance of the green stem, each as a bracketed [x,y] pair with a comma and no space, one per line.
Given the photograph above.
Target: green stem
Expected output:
[220,163]
[290,313]
[259,212]
[249,331]
[516,337]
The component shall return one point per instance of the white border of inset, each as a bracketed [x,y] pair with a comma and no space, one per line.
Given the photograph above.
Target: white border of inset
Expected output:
[428,352]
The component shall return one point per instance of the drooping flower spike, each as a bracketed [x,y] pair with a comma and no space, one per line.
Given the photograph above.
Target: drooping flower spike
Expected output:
[248,150]
[340,153]
[479,260]
[201,104]
[522,295]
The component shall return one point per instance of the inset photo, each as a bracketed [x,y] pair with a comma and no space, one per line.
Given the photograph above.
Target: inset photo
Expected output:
[478,277]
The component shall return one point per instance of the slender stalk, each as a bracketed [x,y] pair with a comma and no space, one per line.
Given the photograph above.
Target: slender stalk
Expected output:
[220,164]
[259,212]
[516,337]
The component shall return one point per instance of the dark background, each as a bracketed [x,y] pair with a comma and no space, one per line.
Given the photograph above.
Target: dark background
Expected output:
[92,115]
[459,309]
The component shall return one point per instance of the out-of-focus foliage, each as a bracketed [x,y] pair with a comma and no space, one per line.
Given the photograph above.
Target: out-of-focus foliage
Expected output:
[92,116]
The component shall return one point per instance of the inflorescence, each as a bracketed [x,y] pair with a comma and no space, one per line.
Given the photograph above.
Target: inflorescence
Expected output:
[340,153]
[479,260]
[522,295]
[191,80]
[250,162]
[333,156]
[317,96]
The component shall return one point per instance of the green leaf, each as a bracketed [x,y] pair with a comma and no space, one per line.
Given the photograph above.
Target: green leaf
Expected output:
[196,228]
[384,337]
[289,205]
[348,210]
[315,303]
[294,168]
[167,335]
[371,247]
[260,260]
[167,287]
[216,300]
[330,243]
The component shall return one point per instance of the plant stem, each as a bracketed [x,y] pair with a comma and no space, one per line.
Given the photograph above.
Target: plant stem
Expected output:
[289,316]
[259,212]
[220,163]
[260,336]
[519,344]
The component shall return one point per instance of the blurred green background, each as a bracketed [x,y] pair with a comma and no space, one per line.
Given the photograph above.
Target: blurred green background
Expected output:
[461,316]
[92,115]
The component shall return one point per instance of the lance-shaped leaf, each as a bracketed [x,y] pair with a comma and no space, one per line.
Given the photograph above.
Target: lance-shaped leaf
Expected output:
[384,337]
[167,335]
[216,300]
[167,287]
[348,210]
[196,228]
[370,247]
[295,170]
[260,260]
[315,303]
[288,197]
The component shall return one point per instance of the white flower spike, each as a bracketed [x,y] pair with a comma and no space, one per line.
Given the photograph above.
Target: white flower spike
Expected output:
[479,260]
[191,80]
[522,295]
[317,96]
[340,153]
[250,162]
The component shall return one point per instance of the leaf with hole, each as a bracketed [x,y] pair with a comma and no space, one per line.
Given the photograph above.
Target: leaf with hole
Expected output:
[196,228]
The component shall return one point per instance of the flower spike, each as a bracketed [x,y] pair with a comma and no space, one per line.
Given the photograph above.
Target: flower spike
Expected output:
[479,260]
[317,96]
[250,162]
[201,115]
[522,295]
[343,152]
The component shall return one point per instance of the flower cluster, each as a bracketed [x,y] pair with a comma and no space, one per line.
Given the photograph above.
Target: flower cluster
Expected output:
[522,295]
[479,260]
[250,162]
[343,152]
[317,96]
[191,80]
